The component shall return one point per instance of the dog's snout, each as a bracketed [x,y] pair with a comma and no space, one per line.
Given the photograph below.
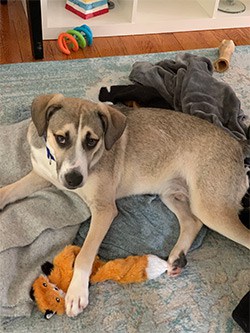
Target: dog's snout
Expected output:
[73,179]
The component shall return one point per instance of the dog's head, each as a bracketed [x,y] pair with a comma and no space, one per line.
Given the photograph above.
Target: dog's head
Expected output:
[77,131]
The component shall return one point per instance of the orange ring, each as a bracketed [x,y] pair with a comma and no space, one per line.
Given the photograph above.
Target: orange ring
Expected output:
[64,39]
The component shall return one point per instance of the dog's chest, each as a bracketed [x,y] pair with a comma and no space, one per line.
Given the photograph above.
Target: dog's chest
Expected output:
[44,166]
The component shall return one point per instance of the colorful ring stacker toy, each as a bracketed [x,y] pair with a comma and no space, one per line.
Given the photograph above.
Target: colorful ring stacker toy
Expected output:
[79,38]
[75,38]
[65,40]
[86,32]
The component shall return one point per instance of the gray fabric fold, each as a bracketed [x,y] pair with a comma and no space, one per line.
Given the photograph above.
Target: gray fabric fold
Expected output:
[144,225]
[188,86]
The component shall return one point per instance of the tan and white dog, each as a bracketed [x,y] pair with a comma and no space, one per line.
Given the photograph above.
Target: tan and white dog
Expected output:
[103,154]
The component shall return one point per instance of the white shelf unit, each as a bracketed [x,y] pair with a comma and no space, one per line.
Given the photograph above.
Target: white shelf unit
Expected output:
[130,17]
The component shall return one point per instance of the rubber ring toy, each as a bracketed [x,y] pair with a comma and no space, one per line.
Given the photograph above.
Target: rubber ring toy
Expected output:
[79,38]
[75,38]
[66,39]
[86,32]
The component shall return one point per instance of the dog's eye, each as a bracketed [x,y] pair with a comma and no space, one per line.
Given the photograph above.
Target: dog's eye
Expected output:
[90,142]
[58,300]
[61,140]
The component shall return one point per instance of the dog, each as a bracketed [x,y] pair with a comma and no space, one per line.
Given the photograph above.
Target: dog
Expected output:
[102,154]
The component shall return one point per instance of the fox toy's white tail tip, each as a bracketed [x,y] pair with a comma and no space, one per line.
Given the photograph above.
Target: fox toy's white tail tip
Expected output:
[156,266]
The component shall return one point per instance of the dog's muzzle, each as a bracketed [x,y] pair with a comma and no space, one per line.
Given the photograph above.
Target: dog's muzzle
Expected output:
[73,179]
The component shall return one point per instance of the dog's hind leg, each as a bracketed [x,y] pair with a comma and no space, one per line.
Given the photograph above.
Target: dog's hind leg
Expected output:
[222,218]
[189,228]
[22,188]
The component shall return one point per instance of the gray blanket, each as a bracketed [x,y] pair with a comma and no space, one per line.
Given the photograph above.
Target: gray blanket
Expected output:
[187,84]
[36,228]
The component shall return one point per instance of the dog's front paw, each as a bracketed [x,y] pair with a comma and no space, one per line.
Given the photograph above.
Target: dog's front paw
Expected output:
[77,298]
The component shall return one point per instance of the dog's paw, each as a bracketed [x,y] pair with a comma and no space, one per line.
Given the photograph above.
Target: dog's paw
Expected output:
[77,298]
[176,265]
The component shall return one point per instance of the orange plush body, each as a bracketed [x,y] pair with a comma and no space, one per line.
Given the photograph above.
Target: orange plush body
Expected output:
[48,291]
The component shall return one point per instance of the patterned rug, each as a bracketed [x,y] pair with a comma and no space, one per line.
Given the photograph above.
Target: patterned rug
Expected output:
[217,276]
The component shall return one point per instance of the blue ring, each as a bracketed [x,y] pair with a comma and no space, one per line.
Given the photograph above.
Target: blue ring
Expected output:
[86,31]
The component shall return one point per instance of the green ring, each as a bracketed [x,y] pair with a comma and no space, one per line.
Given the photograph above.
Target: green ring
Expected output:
[79,38]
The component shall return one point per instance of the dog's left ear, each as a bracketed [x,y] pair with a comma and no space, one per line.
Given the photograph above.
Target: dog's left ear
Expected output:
[114,123]
[43,107]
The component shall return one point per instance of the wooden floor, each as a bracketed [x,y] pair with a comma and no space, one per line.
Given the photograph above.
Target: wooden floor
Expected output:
[15,43]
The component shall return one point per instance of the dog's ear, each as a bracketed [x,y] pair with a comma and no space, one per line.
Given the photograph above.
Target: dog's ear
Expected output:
[43,107]
[114,123]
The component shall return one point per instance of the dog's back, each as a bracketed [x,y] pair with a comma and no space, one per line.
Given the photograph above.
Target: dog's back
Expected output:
[162,143]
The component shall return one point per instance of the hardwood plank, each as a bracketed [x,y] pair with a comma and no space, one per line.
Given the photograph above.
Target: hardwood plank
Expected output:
[10,51]
[91,51]
[239,36]
[213,38]
[104,46]
[47,49]
[168,42]
[111,46]
[220,35]
[21,30]
[2,52]
[147,43]
[130,45]
[192,41]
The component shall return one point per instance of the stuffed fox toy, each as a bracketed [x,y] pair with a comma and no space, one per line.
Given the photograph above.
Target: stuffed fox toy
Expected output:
[48,291]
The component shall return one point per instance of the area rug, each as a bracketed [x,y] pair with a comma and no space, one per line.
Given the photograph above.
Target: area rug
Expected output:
[216,278]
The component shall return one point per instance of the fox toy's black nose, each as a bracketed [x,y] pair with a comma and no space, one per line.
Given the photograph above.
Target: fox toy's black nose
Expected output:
[73,179]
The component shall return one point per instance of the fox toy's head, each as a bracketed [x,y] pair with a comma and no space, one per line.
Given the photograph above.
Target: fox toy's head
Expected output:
[48,297]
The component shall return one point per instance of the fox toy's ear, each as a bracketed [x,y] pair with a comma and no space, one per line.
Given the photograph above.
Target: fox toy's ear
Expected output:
[32,294]
[49,314]
[47,268]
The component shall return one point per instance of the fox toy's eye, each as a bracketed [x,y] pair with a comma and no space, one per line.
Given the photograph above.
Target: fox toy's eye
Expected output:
[55,288]
[45,284]
[58,300]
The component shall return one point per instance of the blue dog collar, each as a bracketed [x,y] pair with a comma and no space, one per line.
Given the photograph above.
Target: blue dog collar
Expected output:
[49,155]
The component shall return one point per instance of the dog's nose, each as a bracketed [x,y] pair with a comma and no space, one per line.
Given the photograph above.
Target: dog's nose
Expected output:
[73,179]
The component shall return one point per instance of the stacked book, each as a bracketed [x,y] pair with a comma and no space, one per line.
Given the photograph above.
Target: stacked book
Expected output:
[87,8]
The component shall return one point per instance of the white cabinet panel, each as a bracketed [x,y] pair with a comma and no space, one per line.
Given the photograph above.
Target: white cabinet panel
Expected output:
[143,17]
